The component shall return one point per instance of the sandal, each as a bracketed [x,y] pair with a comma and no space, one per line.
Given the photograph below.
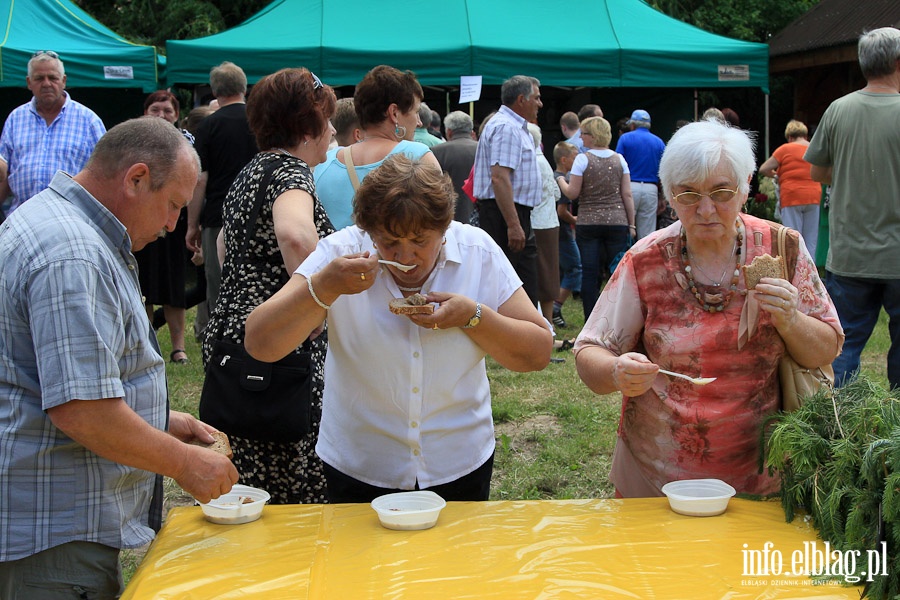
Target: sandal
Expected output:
[180,361]
[565,345]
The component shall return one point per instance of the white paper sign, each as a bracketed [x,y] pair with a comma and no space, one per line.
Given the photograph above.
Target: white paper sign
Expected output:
[118,72]
[469,88]
[734,72]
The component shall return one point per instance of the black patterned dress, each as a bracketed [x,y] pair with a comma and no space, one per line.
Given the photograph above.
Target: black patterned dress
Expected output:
[290,472]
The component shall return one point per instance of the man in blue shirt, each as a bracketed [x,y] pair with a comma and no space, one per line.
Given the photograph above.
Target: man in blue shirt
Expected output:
[50,133]
[642,151]
[84,418]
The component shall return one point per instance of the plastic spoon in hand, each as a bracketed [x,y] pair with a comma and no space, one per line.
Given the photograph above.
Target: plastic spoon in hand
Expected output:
[694,380]
[402,267]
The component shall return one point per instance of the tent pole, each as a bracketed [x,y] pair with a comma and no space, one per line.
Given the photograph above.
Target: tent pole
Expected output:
[766,137]
[696,104]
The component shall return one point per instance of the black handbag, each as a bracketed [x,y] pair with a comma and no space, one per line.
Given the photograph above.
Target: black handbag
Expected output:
[257,400]
[253,399]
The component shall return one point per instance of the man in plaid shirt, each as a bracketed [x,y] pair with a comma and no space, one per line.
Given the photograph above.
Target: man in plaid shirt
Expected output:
[50,133]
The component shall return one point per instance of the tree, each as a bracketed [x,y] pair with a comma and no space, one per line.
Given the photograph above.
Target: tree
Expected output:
[155,21]
[749,20]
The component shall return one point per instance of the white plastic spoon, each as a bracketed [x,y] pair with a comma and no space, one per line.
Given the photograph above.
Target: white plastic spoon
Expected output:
[694,380]
[400,266]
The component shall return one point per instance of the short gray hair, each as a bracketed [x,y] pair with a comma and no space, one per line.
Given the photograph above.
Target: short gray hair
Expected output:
[46,57]
[879,51]
[458,122]
[698,149]
[149,140]
[227,79]
[425,115]
[515,86]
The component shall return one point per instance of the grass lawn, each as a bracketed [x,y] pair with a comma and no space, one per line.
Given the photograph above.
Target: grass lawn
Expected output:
[554,436]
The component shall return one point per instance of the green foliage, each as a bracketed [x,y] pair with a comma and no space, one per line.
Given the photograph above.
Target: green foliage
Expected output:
[755,21]
[153,22]
[838,459]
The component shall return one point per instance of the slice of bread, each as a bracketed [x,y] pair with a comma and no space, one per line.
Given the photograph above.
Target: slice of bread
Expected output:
[417,304]
[762,266]
[220,444]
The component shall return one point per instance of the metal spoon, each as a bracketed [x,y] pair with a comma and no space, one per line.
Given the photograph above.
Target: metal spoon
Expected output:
[694,380]
[400,266]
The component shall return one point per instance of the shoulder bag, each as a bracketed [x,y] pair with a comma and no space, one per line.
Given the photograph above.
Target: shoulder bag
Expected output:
[253,399]
[798,382]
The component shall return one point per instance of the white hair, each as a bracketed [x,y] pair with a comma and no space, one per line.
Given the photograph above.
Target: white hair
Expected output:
[698,149]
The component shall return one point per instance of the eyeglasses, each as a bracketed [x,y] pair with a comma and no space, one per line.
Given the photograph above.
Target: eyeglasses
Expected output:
[49,53]
[718,196]
[317,83]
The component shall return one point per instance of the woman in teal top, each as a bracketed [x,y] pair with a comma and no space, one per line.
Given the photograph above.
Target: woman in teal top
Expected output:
[387,103]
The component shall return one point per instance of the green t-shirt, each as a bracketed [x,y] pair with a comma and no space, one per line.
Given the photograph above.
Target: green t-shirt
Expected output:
[859,137]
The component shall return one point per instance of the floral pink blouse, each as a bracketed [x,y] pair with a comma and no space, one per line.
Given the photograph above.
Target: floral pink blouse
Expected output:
[677,430]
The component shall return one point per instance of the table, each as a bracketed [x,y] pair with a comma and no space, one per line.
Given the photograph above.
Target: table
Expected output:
[635,548]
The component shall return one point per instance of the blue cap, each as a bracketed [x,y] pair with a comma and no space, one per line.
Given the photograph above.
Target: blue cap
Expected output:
[640,116]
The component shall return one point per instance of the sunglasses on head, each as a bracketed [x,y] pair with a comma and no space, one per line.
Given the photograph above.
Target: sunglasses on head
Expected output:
[317,83]
[49,53]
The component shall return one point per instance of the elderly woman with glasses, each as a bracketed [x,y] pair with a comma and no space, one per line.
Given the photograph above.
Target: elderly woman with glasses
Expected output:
[679,301]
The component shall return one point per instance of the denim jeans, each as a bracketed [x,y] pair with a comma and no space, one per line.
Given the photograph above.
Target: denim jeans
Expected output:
[598,245]
[859,302]
[569,265]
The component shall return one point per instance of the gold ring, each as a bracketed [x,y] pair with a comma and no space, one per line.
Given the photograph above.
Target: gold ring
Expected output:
[362,276]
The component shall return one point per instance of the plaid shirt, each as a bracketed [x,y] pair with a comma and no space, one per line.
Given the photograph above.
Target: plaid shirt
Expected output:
[72,326]
[507,142]
[35,151]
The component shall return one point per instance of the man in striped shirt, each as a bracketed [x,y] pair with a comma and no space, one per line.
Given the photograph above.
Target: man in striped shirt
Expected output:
[507,179]
[50,133]
[84,417]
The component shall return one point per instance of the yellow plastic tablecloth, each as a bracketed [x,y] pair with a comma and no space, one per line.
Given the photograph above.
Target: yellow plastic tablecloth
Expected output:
[516,549]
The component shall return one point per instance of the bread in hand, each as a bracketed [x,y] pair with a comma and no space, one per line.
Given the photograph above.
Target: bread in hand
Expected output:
[220,444]
[417,304]
[763,266]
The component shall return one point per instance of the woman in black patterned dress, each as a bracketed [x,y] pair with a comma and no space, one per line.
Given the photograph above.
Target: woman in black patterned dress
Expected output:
[289,114]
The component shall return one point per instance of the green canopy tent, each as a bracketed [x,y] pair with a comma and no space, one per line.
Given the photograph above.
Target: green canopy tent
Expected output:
[94,56]
[613,43]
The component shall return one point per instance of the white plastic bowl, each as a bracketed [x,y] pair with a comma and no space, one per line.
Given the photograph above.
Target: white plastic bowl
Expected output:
[698,497]
[409,511]
[234,508]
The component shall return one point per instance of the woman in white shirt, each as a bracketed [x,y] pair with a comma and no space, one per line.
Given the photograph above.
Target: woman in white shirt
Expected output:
[407,399]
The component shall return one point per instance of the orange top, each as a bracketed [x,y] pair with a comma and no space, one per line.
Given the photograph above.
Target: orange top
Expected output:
[796,186]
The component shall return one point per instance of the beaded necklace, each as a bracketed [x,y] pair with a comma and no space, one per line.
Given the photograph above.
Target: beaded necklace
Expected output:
[409,289]
[713,303]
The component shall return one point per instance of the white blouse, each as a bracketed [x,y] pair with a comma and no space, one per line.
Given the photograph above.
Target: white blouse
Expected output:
[404,404]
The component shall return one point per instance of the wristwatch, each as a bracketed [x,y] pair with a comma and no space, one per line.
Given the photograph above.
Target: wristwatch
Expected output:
[476,319]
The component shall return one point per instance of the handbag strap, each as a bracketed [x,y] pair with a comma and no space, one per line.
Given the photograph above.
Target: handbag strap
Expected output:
[351,168]
[782,237]
[781,247]
[257,205]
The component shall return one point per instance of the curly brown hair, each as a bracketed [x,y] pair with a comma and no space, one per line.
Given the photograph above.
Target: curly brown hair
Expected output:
[287,106]
[381,87]
[403,197]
